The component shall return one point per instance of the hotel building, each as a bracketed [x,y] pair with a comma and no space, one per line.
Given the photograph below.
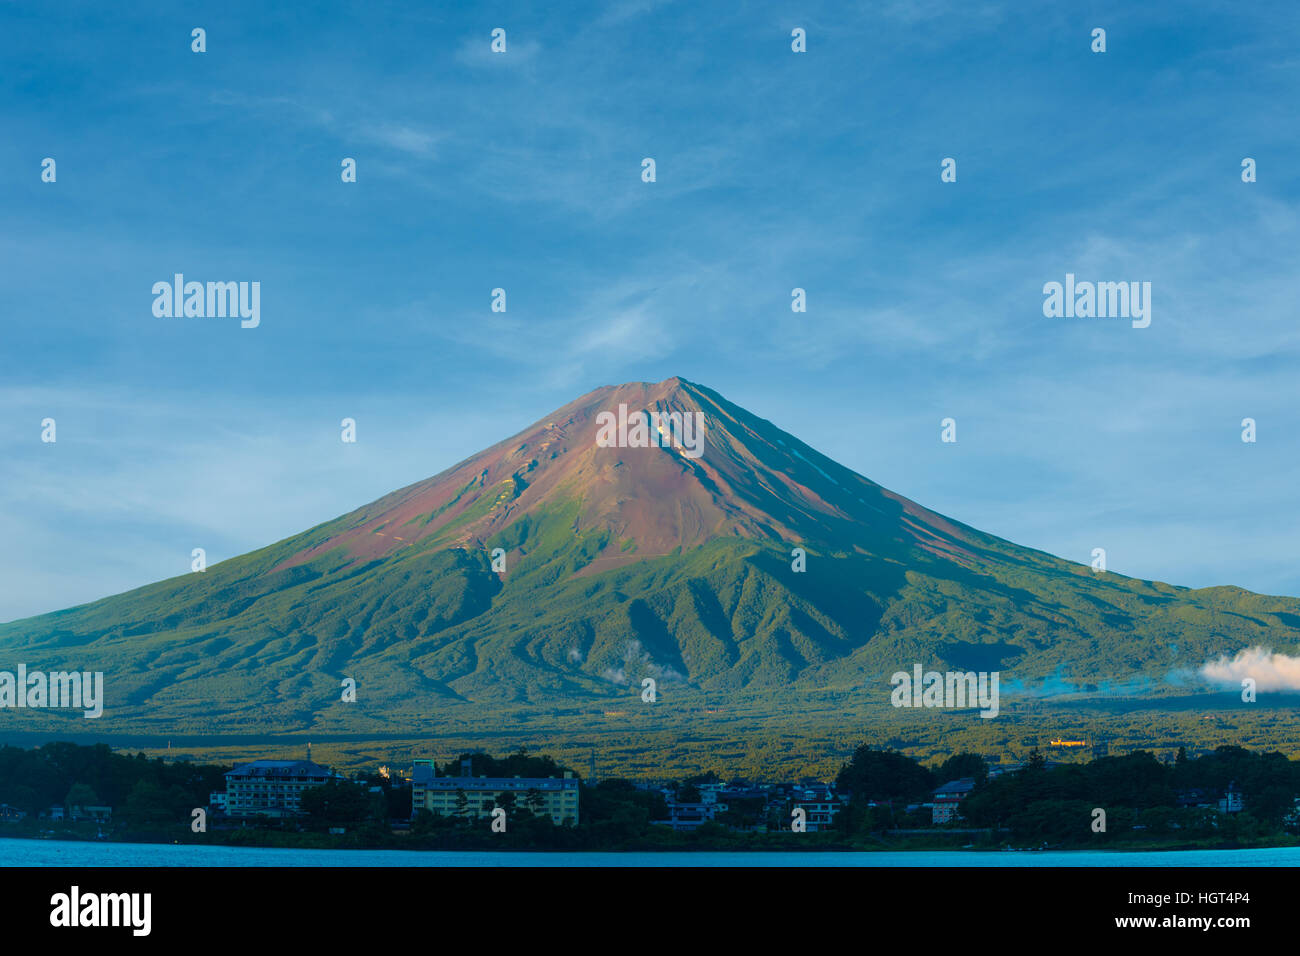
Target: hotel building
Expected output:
[273,788]
[468,796]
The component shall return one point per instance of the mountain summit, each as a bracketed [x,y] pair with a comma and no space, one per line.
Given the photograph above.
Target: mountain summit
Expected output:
[643,530]
[748,480]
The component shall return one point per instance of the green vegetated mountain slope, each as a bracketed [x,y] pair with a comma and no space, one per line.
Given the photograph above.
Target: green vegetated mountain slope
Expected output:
[624,563]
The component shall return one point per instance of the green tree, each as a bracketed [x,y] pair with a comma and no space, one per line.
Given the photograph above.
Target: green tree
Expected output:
[147,804]
[80,795]
[339,803]
[884,775]
[962,765]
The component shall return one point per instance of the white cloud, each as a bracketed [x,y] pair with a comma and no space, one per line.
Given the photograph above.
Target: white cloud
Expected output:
[404,137]
[477,51]
[1270,671]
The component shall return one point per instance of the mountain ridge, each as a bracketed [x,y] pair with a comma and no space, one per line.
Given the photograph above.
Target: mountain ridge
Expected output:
[625,563]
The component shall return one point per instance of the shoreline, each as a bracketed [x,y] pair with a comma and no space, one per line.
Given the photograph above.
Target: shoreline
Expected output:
[828,847]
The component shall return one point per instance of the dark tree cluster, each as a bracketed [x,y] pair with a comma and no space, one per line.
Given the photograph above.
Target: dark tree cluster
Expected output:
[139,790]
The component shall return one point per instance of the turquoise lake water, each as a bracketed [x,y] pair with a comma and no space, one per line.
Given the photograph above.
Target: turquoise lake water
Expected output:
[67,853]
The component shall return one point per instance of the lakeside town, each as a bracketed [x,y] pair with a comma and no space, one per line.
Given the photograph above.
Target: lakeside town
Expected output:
[881,798]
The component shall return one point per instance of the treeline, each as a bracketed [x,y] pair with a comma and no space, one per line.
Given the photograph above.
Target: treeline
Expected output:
[153,799]
[1139,796]
[138,789]
[518,764]
[1144,800]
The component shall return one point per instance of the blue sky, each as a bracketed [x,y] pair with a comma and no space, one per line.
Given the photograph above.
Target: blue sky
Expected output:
[774,170]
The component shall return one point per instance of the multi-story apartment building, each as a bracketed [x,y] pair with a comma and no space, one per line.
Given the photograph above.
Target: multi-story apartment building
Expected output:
[948,797]
[691,816]
[478,796]
[819,804]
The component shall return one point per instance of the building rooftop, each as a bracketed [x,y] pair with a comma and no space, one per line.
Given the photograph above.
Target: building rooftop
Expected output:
[423,776]
[962,785]
[280,768]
